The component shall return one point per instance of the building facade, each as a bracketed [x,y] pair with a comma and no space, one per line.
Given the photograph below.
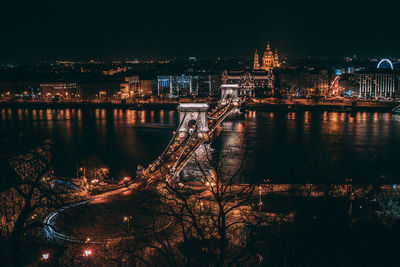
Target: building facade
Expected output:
[378,83]
[59,90]
[209,85]
[106,90]
[131,87]
[134,87]
[176,86]
[252,83]
[148,87]
[300,83]
[269,60]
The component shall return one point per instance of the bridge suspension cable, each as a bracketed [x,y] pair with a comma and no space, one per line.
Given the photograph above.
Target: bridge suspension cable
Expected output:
[226,107]
[174,137]
[187,142]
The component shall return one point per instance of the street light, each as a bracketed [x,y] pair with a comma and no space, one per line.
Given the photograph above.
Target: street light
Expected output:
[126,180]
[268,183]
[45,256]
[127,219]
[87,253]
[84,171]
[210,184]
[260,201]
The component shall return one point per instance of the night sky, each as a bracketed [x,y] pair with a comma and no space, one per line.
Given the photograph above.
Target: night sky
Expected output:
[85,29]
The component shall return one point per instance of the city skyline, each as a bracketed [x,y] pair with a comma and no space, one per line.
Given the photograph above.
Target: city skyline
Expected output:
[199,133]
[48,31]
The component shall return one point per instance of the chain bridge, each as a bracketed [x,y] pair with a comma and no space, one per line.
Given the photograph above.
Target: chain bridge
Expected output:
[197,126]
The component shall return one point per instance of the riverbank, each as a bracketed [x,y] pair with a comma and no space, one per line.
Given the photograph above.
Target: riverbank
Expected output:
[262,105]
[322,106]
[91,105]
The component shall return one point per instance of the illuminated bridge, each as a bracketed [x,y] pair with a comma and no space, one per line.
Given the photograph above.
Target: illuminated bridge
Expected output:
[196,127]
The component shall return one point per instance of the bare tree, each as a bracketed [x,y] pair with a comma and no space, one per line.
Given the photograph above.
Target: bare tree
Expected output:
[388,211]
[107,253]
[207,215]
[30,183]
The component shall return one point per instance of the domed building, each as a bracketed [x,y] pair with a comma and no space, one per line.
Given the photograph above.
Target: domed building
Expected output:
[269,60]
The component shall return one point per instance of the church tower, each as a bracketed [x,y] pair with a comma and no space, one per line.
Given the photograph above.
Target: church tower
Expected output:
[256,64]
[276,59]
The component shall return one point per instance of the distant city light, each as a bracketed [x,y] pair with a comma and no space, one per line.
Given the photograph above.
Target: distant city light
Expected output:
[87,253]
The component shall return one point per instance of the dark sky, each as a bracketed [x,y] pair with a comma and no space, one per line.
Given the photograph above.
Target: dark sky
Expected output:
[60,29]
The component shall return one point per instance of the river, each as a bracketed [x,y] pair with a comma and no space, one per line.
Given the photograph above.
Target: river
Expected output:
[294,147]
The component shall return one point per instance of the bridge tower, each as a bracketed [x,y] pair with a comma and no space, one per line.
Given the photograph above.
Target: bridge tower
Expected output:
[228,92]
[191,116]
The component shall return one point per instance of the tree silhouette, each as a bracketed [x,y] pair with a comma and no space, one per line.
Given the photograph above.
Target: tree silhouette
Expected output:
[29,193]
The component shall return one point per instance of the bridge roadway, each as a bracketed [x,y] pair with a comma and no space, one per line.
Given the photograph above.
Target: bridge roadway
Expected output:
[180,149]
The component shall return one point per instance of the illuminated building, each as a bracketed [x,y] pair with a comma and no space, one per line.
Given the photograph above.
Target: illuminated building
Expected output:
[148,87]
[255,82]
[269,60]
[209,85]
[125,93]
[99,90]
[378,83]
[20,88]
[305,82]
[176,86]
[135,87]
[60,90]
[256,62]
[111,72]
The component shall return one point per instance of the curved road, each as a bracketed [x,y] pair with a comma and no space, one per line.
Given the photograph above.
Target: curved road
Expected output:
[50,219]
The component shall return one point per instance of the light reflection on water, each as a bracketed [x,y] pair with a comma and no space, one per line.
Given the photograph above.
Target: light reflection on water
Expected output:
[282,146]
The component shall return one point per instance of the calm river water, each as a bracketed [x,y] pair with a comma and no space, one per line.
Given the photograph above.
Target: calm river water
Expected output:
[284,147]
